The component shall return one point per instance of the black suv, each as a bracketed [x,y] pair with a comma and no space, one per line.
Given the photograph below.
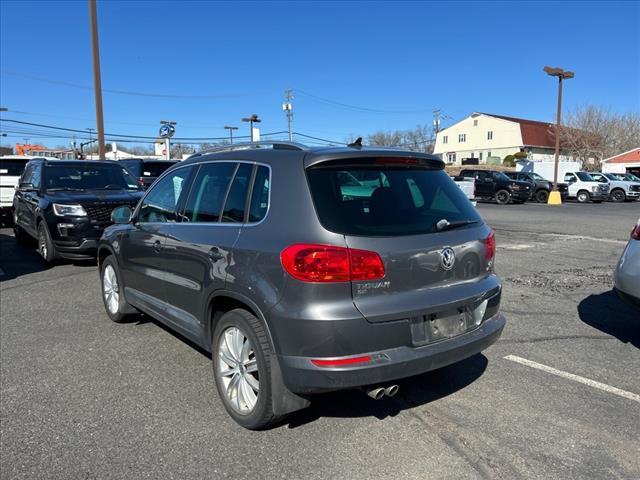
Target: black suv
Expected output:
[66,204]
[540,187]
[492,184]
[146,170]
[307,270]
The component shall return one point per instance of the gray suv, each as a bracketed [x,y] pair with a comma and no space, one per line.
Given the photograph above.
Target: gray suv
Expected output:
[306,270]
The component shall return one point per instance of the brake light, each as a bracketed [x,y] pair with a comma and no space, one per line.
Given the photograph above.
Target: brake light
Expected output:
[490,246]
[396,161]
[635,233]
[328,263]
[339,362]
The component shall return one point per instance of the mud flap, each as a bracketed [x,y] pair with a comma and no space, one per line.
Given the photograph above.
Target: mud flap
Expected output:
[284,400]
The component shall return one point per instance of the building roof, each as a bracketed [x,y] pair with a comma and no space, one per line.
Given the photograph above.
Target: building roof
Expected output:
[632,156]
[534,133]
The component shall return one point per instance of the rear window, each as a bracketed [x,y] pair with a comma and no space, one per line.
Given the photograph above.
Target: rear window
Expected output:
[386,200]
[12,168]
[146,169]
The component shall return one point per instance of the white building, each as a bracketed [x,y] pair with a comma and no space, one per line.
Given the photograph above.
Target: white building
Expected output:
[488,138]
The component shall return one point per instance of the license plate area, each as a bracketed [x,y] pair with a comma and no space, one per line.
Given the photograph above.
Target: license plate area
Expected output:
[441,325]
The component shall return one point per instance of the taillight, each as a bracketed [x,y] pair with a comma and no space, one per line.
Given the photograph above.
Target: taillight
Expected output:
[635,233]
[327,263]
[490,246]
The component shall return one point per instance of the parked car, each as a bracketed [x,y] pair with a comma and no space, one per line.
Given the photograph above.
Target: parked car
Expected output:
[619,190]
[540,187]
[146,170]
[583,187]
[627,274]
[65,204]
[259,256]
[494,185]
[11,167]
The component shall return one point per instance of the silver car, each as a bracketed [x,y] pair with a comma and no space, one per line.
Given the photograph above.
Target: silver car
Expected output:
[627,274]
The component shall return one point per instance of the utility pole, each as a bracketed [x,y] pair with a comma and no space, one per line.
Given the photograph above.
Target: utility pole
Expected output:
[436,122]
[231,129]
[97,83]
[288,109]
[252,119]
[554,196]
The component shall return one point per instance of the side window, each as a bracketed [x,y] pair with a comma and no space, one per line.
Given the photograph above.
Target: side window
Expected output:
[160,203]
[237,197]
[36,175]
[481,176]
[569,177]
[260,195]
[208,192]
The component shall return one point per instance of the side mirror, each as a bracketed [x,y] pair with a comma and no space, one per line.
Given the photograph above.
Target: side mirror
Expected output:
[121,215]
[27,187]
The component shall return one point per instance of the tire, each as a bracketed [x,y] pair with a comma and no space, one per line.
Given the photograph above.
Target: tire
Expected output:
[542,196]
[22,237]
[46,249]
[113,299]
[251,376]
[502,197]
[583,196]
[617,195]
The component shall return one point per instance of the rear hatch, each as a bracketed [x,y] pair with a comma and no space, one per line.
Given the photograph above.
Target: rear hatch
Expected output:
[10,172]
[436,250]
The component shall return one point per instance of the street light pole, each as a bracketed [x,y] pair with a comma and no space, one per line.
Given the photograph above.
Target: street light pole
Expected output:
[97,83]
[554,196]
[231,129]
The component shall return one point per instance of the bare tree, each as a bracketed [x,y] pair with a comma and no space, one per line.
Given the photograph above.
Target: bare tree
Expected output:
[419,139]
[593,132]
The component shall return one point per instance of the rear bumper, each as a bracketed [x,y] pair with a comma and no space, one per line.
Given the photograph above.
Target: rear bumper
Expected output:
[303,377]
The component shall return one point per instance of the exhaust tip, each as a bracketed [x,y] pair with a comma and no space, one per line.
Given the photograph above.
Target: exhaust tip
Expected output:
[376,393]
[391,390]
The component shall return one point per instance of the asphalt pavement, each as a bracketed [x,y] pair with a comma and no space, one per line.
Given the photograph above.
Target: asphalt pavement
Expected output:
[557,397]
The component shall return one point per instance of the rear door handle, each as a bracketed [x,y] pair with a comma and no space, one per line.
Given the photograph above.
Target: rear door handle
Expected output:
[157,246]
[215,255]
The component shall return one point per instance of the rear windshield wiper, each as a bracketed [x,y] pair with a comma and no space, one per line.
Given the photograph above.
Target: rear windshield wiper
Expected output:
[65,189]
[445,224]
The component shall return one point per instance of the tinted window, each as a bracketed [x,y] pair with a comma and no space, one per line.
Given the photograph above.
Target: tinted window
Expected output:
[208,192]
[13,168]
[259,195]
[27,174]
[410,201]
[164,197]
[237,197]
[36,176]
[88,177]
[584,176]
[134,166]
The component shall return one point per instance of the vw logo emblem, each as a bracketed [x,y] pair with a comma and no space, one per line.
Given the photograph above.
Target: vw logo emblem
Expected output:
[167,131]
[447,258]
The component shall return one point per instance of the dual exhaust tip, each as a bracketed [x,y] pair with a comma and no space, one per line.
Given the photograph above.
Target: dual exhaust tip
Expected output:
[378,392]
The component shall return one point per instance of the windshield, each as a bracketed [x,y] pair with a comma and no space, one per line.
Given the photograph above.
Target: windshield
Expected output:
[632,177]
[387,200]
[146,169]
[585,177]
[89,177]
[538,177]
[12,167]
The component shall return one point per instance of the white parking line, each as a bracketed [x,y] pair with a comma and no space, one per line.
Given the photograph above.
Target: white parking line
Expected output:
[576,378]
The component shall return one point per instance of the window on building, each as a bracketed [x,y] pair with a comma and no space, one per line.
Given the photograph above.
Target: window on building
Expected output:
[488,154]
[480,156]
[475,123]
[490,135]
[462,137]
[451,157]
[445,139]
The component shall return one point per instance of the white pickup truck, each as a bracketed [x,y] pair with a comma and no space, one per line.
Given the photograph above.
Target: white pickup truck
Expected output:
[468,187]
[11,167]
[619,190]
[583,187]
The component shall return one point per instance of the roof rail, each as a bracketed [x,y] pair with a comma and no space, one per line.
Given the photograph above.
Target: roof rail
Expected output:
[276,145]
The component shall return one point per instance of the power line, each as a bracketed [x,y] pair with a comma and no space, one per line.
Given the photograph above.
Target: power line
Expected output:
[359,108]
[135,94]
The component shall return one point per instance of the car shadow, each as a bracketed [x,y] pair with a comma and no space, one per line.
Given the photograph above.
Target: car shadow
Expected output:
[610,315]
[414,392]
[18,260]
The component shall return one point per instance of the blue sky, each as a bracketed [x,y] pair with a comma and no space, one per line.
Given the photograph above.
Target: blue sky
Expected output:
[389,56]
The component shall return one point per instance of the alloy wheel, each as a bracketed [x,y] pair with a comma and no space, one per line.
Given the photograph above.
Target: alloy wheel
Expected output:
[42,244]
[238,370]
[110,289]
